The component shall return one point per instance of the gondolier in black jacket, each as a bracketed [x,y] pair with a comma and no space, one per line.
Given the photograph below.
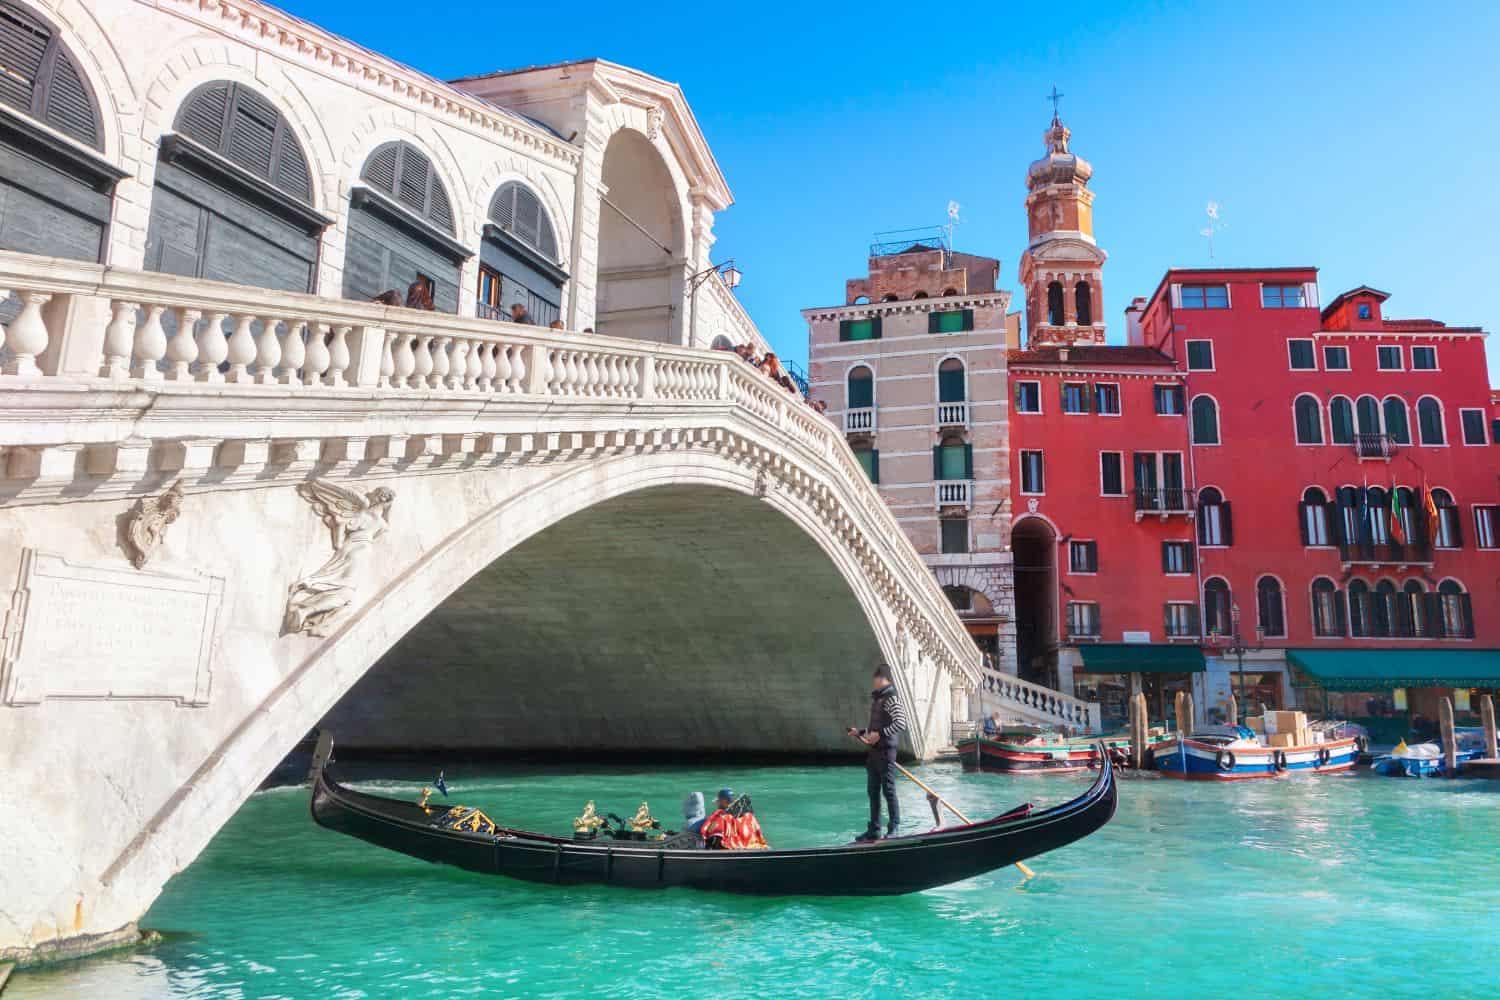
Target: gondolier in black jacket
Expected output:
[883,737]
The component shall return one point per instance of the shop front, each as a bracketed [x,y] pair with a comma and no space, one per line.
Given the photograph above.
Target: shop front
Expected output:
[1396,694]
[1110,672]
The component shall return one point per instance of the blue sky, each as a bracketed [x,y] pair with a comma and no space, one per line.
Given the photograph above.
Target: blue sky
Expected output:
[1360,138]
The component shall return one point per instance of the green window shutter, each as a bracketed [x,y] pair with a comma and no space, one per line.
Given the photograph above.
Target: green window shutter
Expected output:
[875,466]
[968,319]
[843,329]
[968,461]
[1165,548]
[1166,619]
[937,461]
[951,386]
[934,322]
[874,327]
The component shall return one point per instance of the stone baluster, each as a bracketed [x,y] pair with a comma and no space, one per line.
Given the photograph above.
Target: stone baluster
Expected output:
[555,372]
[423,357]
[528,371]
[441,363]
[26,338]
[474,372]
[267,351]
[213,348]
[182,349]
[570,380]
[387,360]
[501,378]
[119,340]
[486,354]
[459,368]
[150,345]
[293,353]
[339,359]
[241,349]
[318,357]
[405,361]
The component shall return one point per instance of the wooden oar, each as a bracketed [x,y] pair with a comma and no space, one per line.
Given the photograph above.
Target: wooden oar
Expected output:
[951,807]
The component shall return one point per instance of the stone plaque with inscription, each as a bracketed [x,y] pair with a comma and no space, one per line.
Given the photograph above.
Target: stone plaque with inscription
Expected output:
[96,632]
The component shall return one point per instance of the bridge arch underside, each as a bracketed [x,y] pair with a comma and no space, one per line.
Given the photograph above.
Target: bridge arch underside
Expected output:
[677,618]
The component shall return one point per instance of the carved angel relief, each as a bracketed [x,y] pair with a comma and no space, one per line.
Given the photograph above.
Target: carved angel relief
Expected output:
[355,522]
[148,524]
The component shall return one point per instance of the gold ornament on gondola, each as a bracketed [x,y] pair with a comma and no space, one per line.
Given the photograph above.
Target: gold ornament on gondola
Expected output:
[468,818]
[589,822]
[642,821]
[426,794]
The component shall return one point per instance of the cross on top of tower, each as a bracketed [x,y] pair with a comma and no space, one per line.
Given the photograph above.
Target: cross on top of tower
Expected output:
[1056,99]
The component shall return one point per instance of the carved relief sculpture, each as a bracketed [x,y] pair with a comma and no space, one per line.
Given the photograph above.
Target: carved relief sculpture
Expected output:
[148,524]
[355,522]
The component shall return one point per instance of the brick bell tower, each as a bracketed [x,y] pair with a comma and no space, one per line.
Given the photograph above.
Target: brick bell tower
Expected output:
[1062,268]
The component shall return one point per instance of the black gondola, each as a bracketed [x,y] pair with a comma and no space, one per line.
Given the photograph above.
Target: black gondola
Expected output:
[885,867]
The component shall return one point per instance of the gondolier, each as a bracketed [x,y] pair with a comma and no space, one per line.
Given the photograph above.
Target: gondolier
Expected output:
[883,737]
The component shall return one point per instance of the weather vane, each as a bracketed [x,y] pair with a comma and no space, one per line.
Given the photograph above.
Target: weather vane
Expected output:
[1214,225]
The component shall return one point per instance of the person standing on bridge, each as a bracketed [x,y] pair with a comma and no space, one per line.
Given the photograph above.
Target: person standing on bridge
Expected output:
[883,737]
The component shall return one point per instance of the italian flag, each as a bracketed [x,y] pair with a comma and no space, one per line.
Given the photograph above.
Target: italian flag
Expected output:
[1398,528]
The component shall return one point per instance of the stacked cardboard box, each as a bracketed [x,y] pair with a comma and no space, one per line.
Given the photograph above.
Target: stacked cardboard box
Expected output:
[1256,723]
[1287,729]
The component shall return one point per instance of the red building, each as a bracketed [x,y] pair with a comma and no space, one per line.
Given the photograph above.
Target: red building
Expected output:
[1324,480]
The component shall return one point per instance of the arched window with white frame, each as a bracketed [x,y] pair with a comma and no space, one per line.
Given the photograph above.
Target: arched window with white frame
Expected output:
[1312,512]
[1430,422]
[1341,420]
[1270,608]
[1307,415]
[1205,420]
[1396,425]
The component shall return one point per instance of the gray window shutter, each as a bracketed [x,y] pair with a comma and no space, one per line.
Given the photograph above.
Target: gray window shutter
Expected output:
[202,119]
[968,319]
[23,44]
[441,212]
[844,329]
[380,169]
[411,178]
[874,327]
[69,107]
[252,132]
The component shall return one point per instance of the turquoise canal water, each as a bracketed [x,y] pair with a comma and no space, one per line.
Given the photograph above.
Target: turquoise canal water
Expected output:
[1346,886]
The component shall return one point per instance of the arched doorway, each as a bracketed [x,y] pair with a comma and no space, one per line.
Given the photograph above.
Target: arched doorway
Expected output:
[641,244]
[1034,549]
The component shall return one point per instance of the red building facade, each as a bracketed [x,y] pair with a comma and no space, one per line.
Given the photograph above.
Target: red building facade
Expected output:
[1336,490]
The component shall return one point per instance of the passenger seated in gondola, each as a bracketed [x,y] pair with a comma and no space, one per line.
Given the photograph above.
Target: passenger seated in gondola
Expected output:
[693,817]
[733,826]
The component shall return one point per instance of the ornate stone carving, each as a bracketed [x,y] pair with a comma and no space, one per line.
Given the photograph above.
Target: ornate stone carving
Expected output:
[653,122]
[147,524]
[762,483]
[355,522]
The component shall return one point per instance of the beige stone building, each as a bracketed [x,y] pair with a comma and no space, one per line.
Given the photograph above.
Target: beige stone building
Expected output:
[912,369]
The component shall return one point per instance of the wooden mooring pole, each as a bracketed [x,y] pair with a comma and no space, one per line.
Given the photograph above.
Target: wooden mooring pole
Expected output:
[1450,743]
[1487,713]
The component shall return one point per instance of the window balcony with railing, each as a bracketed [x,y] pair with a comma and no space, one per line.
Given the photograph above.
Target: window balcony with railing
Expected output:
[859,420]
[1365,553]
[1379,447]
[1163,501]
[953,414]
[954,493]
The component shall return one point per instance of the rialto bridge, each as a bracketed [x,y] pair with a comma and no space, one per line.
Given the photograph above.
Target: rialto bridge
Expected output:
[240,500]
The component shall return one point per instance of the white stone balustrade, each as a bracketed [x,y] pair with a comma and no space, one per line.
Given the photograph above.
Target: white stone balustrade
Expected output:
[167,334]
[1041,704]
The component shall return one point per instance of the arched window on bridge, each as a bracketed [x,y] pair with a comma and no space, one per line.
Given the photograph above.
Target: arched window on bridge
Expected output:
[54,197]
[232,198]
[518,258]
[401,230]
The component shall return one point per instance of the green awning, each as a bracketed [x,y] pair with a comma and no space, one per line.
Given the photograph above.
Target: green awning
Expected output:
[1382,669]
[1140,658]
